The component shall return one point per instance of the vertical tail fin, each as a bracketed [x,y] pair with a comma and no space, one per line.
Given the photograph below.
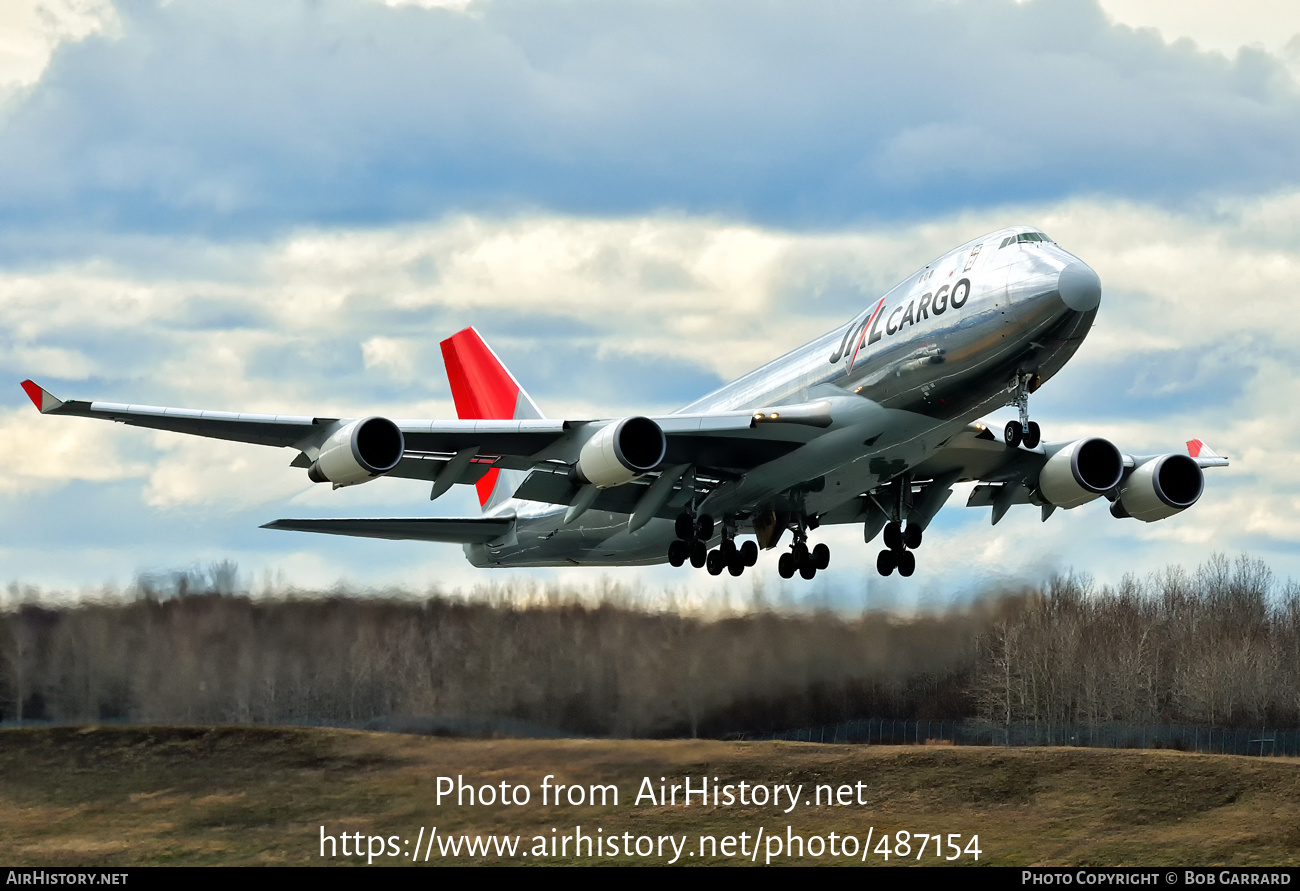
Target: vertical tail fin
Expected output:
[484,389]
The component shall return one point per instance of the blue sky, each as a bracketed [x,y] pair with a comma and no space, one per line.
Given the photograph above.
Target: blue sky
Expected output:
[285,206]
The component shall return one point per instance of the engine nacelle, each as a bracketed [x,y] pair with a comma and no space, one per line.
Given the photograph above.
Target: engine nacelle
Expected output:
[1160,488]
[1080,472]
[621,452]
[357,452]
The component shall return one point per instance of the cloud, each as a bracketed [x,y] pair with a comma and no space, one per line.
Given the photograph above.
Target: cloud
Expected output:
[603,317]
[242,118]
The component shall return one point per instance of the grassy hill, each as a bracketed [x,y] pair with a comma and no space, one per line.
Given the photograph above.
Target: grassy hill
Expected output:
[240,795]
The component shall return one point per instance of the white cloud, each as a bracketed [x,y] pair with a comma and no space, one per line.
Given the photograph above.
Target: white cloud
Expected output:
[46,452]
[31,30]
[1221,27]
[347,322]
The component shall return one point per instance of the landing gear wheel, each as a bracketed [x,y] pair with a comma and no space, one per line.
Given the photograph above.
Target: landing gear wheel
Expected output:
[678,552]
[704,527]
[749,553]
[893,536]
[716,562]
[684,527]
[821,556]
[886,561]
[729,549]
[906,563]
[1033,435]
[807,568]
[1014,434]
[786,566]
[736,565]
[699,556]
[912,536]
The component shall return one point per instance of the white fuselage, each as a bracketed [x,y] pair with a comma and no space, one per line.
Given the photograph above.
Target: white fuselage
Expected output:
[936,352]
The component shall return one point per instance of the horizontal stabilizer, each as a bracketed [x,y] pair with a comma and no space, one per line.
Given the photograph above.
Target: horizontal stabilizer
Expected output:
[454,530]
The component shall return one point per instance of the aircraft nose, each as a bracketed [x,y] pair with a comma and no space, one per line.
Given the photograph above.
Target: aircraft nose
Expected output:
[1079,287]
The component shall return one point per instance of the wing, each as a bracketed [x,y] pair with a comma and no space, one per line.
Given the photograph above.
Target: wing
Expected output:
[1068,474]
[477,530]
[717,446]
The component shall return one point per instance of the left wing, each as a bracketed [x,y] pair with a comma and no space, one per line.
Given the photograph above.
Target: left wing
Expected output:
[347,451]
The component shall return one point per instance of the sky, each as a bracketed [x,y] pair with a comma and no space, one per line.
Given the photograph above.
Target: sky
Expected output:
[284,207]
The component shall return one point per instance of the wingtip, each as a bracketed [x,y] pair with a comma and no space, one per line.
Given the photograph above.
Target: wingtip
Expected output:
[40,397]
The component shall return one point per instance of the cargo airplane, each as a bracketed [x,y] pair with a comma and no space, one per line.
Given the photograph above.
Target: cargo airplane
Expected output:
[870,424]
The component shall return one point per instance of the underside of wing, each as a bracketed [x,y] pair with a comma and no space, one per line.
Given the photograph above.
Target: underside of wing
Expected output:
[454,530]
[1070,474]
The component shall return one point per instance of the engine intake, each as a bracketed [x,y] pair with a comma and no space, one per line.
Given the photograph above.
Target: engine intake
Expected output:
[622,451]
[1080,472]
[358,452]
[1160,488]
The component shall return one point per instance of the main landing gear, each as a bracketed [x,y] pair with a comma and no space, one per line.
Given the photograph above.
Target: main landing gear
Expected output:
[900,540]
[801,559]
[1023,431]
[693,533]
[899,543]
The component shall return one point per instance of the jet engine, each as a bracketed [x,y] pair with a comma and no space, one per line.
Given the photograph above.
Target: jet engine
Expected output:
[1159,488]
[1080,472]
[621,451]
[357,452]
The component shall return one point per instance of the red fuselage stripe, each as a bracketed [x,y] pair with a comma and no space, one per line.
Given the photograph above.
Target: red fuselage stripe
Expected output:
[865,328]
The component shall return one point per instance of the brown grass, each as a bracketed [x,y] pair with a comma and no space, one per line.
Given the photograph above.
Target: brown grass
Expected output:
[238,795]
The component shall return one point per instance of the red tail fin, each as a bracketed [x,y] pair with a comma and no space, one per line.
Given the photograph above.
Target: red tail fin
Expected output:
[483,390]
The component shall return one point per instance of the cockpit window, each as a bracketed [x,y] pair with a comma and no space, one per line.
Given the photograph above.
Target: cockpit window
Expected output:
[1024,238]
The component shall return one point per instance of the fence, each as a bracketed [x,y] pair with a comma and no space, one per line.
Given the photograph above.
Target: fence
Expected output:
[1182,737]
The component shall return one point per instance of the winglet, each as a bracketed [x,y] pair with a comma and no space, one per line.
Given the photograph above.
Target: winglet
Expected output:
[41,398]
[1204,455]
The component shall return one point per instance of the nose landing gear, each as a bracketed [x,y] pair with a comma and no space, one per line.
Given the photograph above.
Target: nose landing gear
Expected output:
[1023,431]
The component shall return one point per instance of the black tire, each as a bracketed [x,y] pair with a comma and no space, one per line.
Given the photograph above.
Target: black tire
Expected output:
[1033,435]
[678,552]
[684,527]
[715,562]
[886,560]
[699,555]
[749,551]
[704,527]
[786,566]
[912,536]
[736,565]
[821,556]
[1014,434]
[906,563]
[728,549]
[893,536]
[807,569]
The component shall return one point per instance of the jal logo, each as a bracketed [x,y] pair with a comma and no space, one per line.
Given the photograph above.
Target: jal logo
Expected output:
[880,324]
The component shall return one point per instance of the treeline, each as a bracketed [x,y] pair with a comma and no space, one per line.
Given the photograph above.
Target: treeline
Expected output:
[1218,645]
[195,654]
